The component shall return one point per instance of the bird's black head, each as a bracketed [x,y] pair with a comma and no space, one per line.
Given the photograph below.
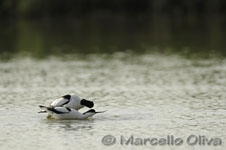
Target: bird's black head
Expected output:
[90,111]
[87,103]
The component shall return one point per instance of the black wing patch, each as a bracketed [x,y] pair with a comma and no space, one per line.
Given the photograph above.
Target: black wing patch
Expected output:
[69,109]
[55,111]
[67,96]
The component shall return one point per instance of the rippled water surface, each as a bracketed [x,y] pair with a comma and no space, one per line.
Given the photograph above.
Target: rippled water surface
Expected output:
[146,95]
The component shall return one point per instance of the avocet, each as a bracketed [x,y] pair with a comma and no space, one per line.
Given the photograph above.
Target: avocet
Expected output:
[67,113]
[72,101]
[69,101]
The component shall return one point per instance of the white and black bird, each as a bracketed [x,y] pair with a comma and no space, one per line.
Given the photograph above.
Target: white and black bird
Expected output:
[72,101]
[69,101]
[68,113]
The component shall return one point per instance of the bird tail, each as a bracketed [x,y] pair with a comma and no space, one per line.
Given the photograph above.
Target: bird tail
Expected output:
[41,106]
[42,111]
[45,109]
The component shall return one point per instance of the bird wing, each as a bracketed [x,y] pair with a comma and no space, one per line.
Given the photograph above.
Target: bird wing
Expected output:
[60,102]
[61,110]
[56,110]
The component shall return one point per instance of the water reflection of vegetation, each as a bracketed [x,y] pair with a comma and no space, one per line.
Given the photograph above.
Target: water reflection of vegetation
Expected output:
[190,37]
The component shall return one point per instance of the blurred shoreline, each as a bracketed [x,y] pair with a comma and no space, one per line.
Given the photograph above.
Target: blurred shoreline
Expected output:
[47,27]
[108,34]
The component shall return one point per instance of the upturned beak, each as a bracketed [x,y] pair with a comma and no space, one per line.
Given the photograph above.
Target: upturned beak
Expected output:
[100,111]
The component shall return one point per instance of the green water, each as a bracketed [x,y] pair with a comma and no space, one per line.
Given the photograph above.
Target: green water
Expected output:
[190,36]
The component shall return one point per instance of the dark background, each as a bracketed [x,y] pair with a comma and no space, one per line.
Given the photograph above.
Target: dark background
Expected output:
[40,28]
[56,8]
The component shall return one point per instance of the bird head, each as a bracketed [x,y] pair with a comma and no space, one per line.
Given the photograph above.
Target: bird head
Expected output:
[87,103]
[93,111]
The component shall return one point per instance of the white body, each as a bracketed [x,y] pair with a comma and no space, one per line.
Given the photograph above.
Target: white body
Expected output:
[74,102]
[66,113]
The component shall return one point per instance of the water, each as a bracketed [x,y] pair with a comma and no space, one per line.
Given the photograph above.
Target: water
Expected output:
[155,76]
[186,35]
[146,95]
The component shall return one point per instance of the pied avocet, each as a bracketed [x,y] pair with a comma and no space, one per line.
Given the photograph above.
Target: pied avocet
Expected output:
[71,101]
[68,113]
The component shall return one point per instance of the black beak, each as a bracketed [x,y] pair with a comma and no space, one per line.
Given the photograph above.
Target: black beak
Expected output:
[100,111]
[87,103]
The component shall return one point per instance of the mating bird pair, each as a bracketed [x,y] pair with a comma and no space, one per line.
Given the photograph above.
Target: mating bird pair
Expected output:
[67,107]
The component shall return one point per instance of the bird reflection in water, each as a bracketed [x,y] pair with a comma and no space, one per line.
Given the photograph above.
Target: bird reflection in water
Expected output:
[71,125]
